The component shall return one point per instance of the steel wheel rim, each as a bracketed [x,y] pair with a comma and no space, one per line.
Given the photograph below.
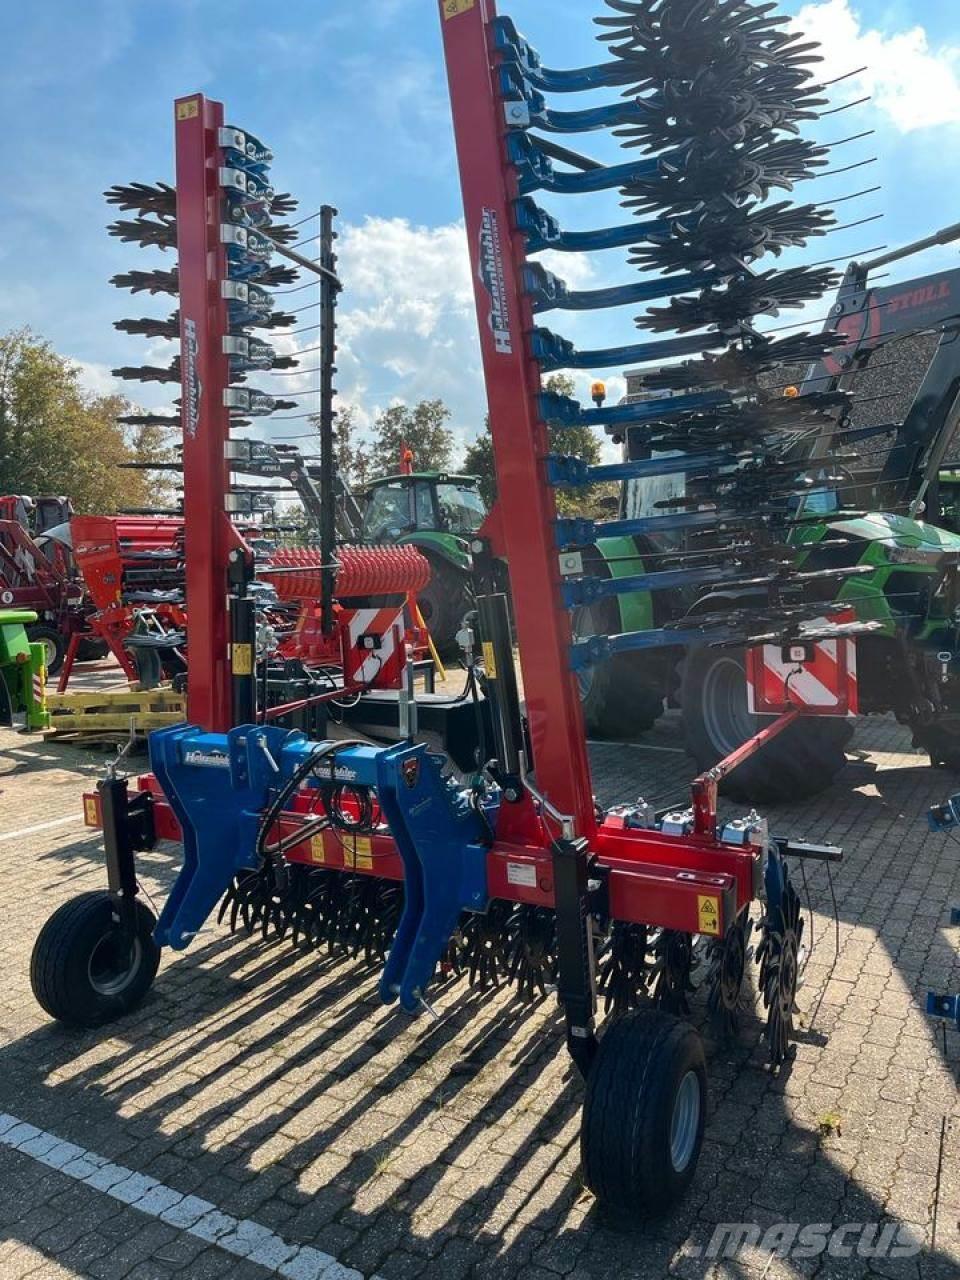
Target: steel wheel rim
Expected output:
[685,1123]
[106,976]
[49,651]
[725,706]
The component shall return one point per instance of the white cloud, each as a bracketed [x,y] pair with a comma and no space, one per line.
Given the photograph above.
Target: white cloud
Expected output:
[407,325]
[914,83]
[97,378]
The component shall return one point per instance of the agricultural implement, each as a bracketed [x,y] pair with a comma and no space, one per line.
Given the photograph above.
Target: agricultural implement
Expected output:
[377,851]
[37,576]
[22,672]
[946,818]
[880,497]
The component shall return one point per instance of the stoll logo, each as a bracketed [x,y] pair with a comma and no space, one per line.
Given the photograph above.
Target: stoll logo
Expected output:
[492,279]
[191,380]
[207,759]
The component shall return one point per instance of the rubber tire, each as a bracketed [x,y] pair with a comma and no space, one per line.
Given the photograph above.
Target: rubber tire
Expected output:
[92,650]
[621,701]
[627,1113]
[941,745]
[443,602]
[59,966]
[802,762]
[53,639]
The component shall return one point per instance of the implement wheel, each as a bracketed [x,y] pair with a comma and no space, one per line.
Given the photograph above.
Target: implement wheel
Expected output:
[81,972]
[803,761]
[644,1113]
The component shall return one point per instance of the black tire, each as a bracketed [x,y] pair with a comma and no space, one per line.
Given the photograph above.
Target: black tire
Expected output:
[644,1113]
[443,602]
[54,643]
[802,762]
[91,649]
[621,697]
[942,744]
[76,971]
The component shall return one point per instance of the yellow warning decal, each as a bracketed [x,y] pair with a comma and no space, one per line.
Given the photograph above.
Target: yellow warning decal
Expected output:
[489,660]
[363,853]
[188,110]
[317,850]
[708,914]
[453,7]
[242,659]
[90,816]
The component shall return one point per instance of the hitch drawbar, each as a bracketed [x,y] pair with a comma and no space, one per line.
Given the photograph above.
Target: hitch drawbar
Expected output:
[227,791]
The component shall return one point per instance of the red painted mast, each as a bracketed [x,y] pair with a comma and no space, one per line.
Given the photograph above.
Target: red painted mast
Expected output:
[520,440]
[205,418]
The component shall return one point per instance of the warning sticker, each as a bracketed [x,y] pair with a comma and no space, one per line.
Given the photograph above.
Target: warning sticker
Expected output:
[242,656]
[190,109]
[708,914]
[317,850]
[90,816]
[522,873]
[489,660]
[453,7]
[363,853]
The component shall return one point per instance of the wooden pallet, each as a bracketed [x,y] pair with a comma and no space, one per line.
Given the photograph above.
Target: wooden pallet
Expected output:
[114,712]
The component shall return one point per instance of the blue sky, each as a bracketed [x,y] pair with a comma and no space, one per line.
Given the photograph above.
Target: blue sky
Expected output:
[351,94]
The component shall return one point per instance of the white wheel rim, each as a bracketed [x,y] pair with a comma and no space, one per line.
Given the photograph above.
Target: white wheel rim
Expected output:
[685,1125]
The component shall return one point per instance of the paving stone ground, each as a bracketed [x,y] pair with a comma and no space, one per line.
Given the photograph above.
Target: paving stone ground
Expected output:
[279,1089]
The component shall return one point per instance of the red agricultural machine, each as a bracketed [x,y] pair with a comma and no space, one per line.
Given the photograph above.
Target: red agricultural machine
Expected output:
[39,575]
[517,876]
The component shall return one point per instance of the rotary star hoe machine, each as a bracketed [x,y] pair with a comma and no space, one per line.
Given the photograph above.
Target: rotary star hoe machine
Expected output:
[516,876]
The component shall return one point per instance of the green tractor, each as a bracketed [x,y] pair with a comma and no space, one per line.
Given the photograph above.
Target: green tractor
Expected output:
[22,672]
[440,514]
[870,520]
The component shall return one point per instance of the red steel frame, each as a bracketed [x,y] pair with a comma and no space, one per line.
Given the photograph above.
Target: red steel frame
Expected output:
[206,420]
[527,503]
[694,884]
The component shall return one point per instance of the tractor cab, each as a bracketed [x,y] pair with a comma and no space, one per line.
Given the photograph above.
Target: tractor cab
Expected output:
[427,502]
[439,514]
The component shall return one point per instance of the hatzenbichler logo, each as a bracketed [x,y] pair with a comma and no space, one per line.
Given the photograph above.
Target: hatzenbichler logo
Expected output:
[492,278]
[191,399]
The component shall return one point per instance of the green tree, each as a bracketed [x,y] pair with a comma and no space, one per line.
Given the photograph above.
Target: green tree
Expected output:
[57,439]
[576,442]
[153,442]
[422,428]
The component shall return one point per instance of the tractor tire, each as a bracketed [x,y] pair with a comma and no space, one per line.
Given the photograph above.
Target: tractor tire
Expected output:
[54,645]
[802,762]
[443,602]
[77,972]
[941,743]
[620,699]
[644,1113]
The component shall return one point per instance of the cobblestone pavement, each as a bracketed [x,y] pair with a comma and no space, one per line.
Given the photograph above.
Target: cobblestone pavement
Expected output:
[323,1126]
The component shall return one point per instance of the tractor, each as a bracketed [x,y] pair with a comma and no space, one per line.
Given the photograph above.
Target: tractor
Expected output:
[441,515]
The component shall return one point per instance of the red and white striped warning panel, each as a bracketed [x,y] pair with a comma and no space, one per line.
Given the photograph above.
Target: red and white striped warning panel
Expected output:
[820,678]
[374,651]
